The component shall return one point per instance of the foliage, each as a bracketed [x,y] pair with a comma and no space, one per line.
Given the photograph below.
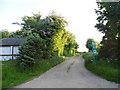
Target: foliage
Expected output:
[89,57]
[71,45]
[54,22]
[32,24]
[45,27]
[48,28]
[20,33]
[89,45]
[54,40]
[4,34]
[104,68]
[13,75]
[59,40]
[109,24]
[30,50]
[64,43]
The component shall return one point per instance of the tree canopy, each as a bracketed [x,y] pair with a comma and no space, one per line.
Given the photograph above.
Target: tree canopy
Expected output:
[51,30]
[109,24]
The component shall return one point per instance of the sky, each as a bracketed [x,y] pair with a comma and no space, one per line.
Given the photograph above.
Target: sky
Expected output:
[80,15]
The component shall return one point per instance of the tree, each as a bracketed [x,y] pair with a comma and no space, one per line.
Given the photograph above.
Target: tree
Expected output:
[51,30]
[19,33]
[70,45]
[32,24]
[45,27]
[89,45]
[4,33]
[109,24]
[59,41]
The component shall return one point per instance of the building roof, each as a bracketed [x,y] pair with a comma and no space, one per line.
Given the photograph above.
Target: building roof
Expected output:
[11,41]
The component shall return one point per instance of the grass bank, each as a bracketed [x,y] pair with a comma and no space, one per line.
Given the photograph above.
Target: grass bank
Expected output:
[105,68]
[12,75]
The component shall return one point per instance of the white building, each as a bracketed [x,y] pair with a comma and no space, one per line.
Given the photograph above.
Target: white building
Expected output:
[9,48]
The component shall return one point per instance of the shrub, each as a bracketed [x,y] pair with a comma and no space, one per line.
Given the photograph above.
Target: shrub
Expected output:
[89,57]
[27,61]
[105,67]
[31,50]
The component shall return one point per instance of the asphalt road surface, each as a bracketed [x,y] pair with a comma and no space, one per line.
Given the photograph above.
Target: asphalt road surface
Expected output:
[69,74]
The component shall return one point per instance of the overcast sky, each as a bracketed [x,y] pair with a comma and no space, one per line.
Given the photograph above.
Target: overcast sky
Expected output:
[80,15]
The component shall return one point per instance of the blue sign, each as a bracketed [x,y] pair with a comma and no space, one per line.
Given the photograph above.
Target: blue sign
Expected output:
[94,51]
[94,48]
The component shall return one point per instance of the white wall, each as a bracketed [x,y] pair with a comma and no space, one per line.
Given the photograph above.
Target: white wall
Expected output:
[5,50]
[15,50]
[8,51]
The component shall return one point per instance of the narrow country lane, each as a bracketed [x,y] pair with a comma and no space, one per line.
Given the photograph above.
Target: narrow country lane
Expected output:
[69,74]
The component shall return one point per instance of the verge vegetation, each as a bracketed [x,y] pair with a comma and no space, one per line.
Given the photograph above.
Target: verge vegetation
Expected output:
[46,45]
[13,75]
[105,68]
[108,58]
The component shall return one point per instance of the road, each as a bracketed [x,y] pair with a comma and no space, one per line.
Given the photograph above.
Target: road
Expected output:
[69,74]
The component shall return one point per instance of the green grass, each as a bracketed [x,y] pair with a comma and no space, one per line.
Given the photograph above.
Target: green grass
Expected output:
[9,62]
[104,69]
[0,75]
[12,75]
[69,55]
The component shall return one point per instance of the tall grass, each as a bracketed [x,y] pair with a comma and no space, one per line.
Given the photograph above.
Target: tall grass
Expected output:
[105,68]
[0,75]
[13,75]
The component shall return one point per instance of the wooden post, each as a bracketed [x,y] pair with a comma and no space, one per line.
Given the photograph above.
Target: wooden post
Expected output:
[12,51]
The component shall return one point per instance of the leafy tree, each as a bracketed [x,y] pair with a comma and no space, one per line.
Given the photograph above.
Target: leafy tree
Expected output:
[32,24]
[4,33]
[54,22]
[59,40]
[71,44]
[109,24]
[89,45]
[52,36]
[45,27]
[64,43]
[19,33]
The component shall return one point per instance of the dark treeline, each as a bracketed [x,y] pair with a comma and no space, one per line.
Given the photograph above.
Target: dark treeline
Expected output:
[109,24]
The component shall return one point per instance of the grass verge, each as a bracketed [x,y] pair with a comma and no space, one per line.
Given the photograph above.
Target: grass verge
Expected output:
[104,68]
[12,75]
[0,75]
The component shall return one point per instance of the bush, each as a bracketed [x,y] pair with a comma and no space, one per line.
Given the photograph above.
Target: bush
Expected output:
[106,68]
[89,57]
[27,61]
[30,50]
